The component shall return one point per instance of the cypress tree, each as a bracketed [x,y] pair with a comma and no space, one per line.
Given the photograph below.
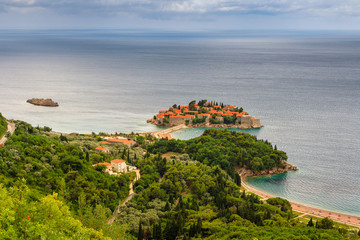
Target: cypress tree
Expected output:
[159,231]
[310,223]
[141,232]
[198,225]
[167,207]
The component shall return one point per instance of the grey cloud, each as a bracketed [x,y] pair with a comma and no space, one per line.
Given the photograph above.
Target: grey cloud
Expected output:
[156,7]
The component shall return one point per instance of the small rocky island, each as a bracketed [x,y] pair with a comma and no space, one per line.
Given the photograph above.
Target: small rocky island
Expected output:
[206,114]
[43,102]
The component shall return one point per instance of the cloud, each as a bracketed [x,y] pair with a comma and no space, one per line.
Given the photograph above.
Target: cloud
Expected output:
[156,7]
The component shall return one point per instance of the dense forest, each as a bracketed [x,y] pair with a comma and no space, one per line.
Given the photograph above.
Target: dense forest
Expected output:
[50,190]
[3,125]
[226,149]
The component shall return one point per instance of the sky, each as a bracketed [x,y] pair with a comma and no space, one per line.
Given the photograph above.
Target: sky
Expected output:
[181,14]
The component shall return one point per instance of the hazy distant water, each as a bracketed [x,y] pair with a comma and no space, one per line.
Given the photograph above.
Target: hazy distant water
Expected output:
[305,88]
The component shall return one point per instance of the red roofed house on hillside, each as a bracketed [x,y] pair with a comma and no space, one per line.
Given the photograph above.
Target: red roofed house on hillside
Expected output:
[219,118]
[108,167]
[100,149]
[127,142]
[119,165]
[116,167]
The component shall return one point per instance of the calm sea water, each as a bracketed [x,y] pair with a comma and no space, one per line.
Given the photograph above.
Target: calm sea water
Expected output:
[305,88]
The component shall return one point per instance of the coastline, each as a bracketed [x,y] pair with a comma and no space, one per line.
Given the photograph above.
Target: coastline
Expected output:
[209,125]
[299,207]
[308,210]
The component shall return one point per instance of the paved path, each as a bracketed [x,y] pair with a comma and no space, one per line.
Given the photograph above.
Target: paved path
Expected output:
[308,210]
[166,132]
[10,128]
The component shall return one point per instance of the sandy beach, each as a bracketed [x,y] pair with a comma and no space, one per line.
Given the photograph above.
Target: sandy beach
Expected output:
[318,212]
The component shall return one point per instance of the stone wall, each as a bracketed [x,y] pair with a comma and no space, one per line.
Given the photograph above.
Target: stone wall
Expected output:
[176,121]
[246,121]
[255,122]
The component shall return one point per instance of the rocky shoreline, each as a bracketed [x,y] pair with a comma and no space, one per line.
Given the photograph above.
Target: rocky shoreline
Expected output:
[239,126]
[249,173]
[43,102]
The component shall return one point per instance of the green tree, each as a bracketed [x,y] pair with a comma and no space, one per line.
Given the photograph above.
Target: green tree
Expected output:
[326,223]
[192,105]
[310,223]
[141,232]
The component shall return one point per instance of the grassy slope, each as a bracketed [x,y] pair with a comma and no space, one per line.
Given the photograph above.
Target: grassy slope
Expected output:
[3,126]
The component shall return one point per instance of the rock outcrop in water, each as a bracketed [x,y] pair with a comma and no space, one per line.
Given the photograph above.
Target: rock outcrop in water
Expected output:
[43,102]
[249,173]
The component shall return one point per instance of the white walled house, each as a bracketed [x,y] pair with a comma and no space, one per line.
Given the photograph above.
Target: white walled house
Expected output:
[119,165]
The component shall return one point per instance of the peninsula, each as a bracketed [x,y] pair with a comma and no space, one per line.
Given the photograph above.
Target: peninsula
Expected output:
[206,114]
[43,102]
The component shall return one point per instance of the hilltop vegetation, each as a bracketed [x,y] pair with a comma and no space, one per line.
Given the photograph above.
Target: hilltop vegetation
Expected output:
[185,199]
[49,190]
[48,218]
[50,165]
[226,149]
[3,125]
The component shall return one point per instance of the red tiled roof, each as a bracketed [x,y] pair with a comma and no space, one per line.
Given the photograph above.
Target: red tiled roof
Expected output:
[104,142]
[103,163]
[100,148]
[124,141]
[117,161]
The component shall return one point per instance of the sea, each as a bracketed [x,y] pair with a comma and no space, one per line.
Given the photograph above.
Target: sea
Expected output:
[304,86]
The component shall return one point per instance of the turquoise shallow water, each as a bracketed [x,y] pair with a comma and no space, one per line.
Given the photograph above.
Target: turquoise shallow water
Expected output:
[304,87]
[299,186]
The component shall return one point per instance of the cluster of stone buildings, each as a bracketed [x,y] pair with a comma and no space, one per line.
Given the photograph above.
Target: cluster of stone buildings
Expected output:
[183,115]
[116,167]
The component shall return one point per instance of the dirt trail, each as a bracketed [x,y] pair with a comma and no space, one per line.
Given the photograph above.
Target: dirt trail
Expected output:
[10,128]
[130,196]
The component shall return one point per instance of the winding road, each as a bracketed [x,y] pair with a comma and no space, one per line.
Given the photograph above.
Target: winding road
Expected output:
[130,196]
